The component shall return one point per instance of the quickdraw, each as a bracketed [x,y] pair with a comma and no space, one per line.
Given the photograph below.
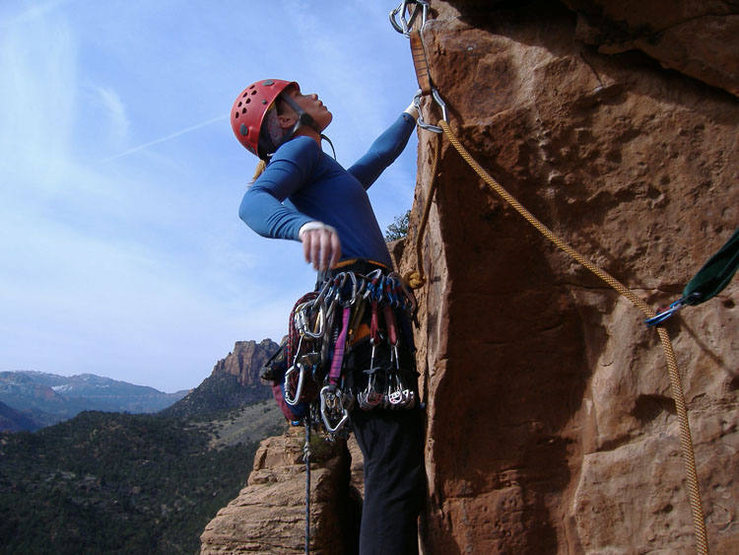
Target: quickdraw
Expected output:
[665,314]
[710,280]
[325,326]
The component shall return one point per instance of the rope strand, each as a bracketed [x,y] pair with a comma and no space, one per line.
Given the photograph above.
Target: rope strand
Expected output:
[417,278]
[306,457]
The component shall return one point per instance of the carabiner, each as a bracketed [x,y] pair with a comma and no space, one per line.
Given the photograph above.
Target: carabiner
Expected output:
[350,301]
[362,280]
[372,279]
[323,292]
[303,324]
[665,314]
[405,25]
[332,405]
[409,299]
[290,399]
[440,101]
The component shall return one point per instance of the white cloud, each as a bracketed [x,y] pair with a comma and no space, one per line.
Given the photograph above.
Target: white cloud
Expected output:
[166,138]
[29,13]
[116,111]
[37,98]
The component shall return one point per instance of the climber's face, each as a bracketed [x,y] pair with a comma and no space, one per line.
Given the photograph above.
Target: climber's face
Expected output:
[310,104]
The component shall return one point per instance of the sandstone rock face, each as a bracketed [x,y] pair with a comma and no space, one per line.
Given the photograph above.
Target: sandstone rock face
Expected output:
[246,360]
[551,426]
[699,39]
[268,516]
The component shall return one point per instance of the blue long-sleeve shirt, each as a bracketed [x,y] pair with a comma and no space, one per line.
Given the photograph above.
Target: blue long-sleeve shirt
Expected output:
[302,184]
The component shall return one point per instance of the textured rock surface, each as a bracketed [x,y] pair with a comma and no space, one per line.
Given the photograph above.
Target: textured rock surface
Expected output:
[550,423]
[697,38]
[268,516]
[246,360]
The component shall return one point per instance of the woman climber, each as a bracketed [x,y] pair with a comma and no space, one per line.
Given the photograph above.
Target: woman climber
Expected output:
[301,193]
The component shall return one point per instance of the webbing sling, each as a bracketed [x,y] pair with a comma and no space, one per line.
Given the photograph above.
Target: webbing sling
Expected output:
[715,274]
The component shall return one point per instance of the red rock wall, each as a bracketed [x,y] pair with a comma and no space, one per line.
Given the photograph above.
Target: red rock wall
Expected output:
[246,360]
[550,421]
[268,516]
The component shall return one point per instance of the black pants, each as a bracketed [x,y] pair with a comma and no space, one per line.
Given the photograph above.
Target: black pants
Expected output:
[392,444]
[394,479]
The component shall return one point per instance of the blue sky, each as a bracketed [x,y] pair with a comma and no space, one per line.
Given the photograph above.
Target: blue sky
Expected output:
[121,252]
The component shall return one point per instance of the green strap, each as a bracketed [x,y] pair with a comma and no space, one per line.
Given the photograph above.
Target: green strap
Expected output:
[715,274]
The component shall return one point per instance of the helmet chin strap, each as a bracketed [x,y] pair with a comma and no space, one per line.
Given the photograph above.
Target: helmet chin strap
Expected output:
[303,117]
[325,138]
[303,120]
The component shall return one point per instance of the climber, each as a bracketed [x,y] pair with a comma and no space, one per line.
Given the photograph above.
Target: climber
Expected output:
[301,193]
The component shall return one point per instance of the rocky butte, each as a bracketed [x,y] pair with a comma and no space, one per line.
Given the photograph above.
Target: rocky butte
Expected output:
[245,361]
[551,426]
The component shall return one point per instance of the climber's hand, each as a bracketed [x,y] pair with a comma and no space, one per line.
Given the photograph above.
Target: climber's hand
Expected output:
[412,110]
[321,245]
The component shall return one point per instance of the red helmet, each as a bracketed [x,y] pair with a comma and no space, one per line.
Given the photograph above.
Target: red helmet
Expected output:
[250,108]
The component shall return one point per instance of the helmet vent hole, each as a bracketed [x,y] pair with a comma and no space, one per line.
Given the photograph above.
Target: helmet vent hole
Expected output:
[243,110]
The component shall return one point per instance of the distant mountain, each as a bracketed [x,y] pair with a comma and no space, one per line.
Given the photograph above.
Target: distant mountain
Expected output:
[246,361]
[46,399]
[233,383]
[13,421]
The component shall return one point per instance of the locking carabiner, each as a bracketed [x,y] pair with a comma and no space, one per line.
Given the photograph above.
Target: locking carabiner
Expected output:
[333,412]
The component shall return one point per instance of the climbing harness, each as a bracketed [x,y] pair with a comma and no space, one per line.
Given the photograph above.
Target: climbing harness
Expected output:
[718,272]
[349,345]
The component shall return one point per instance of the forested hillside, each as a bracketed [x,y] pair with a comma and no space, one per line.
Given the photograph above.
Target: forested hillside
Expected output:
[107,482]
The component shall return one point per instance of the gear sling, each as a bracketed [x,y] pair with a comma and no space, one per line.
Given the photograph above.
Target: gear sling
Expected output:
[349,346]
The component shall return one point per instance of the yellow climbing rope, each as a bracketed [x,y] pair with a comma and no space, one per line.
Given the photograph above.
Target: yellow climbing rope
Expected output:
[686,442]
